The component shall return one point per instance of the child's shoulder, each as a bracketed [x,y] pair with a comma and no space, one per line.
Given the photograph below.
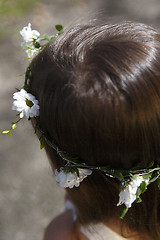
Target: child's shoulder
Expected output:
[61,227]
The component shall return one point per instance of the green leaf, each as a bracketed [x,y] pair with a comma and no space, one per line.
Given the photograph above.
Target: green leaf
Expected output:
[143,186]
[77,171]
[37,45]
[59,27]
[139,191]
[41,142]
[159,185]
[138,200]
[153,179]
[20,75]
[123,213]
[17,90]
[47,37]
[150,165]
[10,133]
[121,176]
[26,87]
[6,131]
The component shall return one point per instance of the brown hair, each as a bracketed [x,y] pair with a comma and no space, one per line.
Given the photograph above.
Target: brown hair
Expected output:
[99,94]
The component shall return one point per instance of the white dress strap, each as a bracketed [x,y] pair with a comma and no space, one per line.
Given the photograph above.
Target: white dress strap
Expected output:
[69,206]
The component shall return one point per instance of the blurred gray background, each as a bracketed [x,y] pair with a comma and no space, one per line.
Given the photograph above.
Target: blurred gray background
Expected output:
[29,197]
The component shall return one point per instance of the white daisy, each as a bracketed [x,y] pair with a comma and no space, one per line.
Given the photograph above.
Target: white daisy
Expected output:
[28,34]
[128,195]
[71,179]
[29,37]
[26,104]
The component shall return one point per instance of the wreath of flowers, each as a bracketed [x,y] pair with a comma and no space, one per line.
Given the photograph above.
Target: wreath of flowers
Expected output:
[132,182]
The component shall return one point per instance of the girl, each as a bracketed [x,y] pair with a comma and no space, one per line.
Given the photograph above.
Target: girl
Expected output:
[98,88]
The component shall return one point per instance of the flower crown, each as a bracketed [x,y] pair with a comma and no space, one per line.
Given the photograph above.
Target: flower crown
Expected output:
[133,182]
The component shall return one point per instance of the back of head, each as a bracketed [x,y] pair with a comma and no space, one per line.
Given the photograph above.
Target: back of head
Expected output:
[99,94]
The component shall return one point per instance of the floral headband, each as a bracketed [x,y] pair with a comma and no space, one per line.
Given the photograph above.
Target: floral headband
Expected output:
[133,182]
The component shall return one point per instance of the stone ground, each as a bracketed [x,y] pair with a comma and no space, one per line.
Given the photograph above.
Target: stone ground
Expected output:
[29,198]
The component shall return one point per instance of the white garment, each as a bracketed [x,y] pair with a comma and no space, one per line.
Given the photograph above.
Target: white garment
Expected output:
[100,232]
[94,231]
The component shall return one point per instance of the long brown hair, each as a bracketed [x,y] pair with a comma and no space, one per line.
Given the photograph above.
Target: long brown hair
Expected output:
[99,94]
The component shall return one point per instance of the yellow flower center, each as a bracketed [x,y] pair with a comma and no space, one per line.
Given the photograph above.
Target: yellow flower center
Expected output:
[29,103]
